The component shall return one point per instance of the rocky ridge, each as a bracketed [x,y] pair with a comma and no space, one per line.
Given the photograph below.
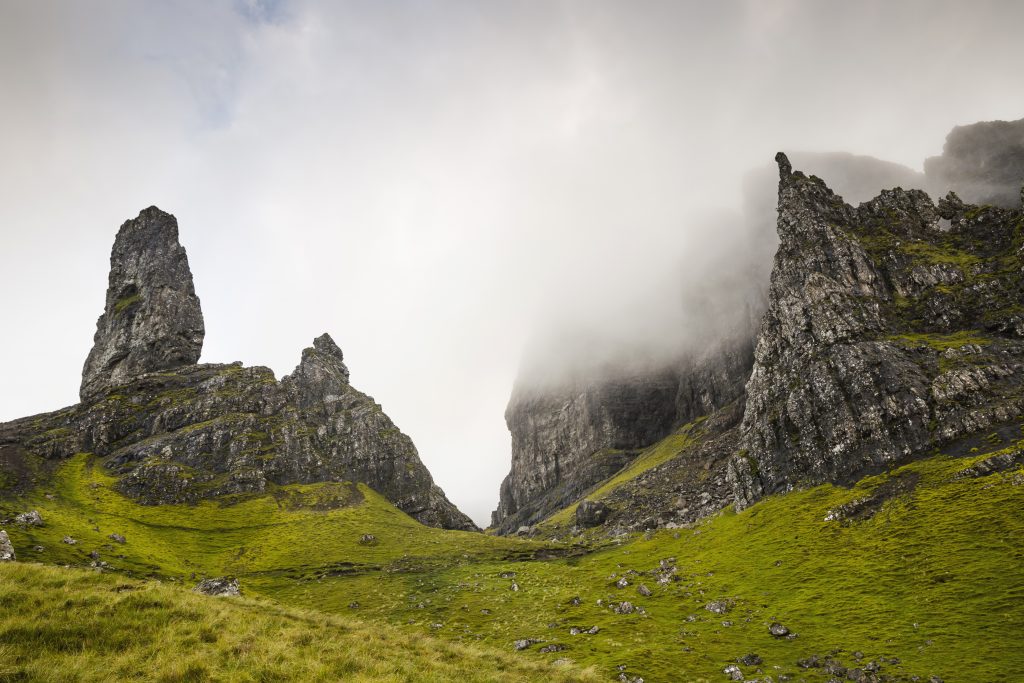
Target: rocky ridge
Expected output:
[891,328]
[175,431]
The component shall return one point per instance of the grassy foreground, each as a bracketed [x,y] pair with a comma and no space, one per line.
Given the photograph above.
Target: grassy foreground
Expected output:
[929,582]
[61,624]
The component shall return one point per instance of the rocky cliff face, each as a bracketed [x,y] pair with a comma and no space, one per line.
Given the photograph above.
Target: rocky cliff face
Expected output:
[891,328]
[564,441]
[152,320]
[177,432]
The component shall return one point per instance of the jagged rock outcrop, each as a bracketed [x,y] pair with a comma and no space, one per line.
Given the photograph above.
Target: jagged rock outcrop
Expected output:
[982,162]
[562,443]
[152,319]
[891,328]
[174,431]
[566,440]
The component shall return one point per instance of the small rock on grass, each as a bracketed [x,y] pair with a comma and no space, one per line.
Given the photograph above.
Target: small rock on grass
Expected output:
[6,549]
[30,518]
[224,586]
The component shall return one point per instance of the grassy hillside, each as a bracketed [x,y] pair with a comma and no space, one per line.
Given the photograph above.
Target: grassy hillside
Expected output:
[76,625]
[933,576]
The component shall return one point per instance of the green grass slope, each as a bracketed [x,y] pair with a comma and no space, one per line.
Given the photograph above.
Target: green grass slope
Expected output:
[933,578]
[77,625]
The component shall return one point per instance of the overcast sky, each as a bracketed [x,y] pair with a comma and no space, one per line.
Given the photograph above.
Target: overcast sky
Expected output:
[434,182]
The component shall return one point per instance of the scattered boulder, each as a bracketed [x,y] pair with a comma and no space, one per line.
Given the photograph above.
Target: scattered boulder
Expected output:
[224,586]
[68,540]
[718,606]
[592,631]
[778,630]
[6,549]
[622,583]
[554,647]
[644,591]
[624,607]
[750,659]
[118,538]
[733,672]
[524,643]
[367,539]
[30,518]
[591,513]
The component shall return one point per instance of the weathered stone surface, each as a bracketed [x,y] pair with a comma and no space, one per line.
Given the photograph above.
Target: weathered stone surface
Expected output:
[591,513]
[858,362]
[173,431]
[219,587]
[152,320]
[983,162]
[6,549]
[30,518]
[206,431]
[566,440]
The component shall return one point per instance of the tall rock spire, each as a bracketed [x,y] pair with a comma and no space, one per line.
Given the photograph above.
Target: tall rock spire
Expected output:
[152,320]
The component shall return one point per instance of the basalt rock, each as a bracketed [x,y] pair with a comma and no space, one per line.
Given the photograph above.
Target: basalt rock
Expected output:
[152,320]
[892,327]
[221,587]
[173,431]
[566,440]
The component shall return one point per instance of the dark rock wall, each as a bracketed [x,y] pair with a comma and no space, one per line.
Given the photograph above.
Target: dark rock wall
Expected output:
[891,328]
[152,319]
[565,441]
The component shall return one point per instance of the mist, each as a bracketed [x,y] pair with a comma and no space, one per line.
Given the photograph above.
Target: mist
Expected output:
[453,190]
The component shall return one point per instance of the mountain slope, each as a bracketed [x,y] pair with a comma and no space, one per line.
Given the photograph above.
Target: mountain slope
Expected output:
[922,564]
[73,625]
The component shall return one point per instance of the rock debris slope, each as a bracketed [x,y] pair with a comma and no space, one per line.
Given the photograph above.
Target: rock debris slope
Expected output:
[175,431]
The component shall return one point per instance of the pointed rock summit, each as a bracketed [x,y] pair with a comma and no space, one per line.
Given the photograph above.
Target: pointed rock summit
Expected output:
[152,319]
[173,431]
